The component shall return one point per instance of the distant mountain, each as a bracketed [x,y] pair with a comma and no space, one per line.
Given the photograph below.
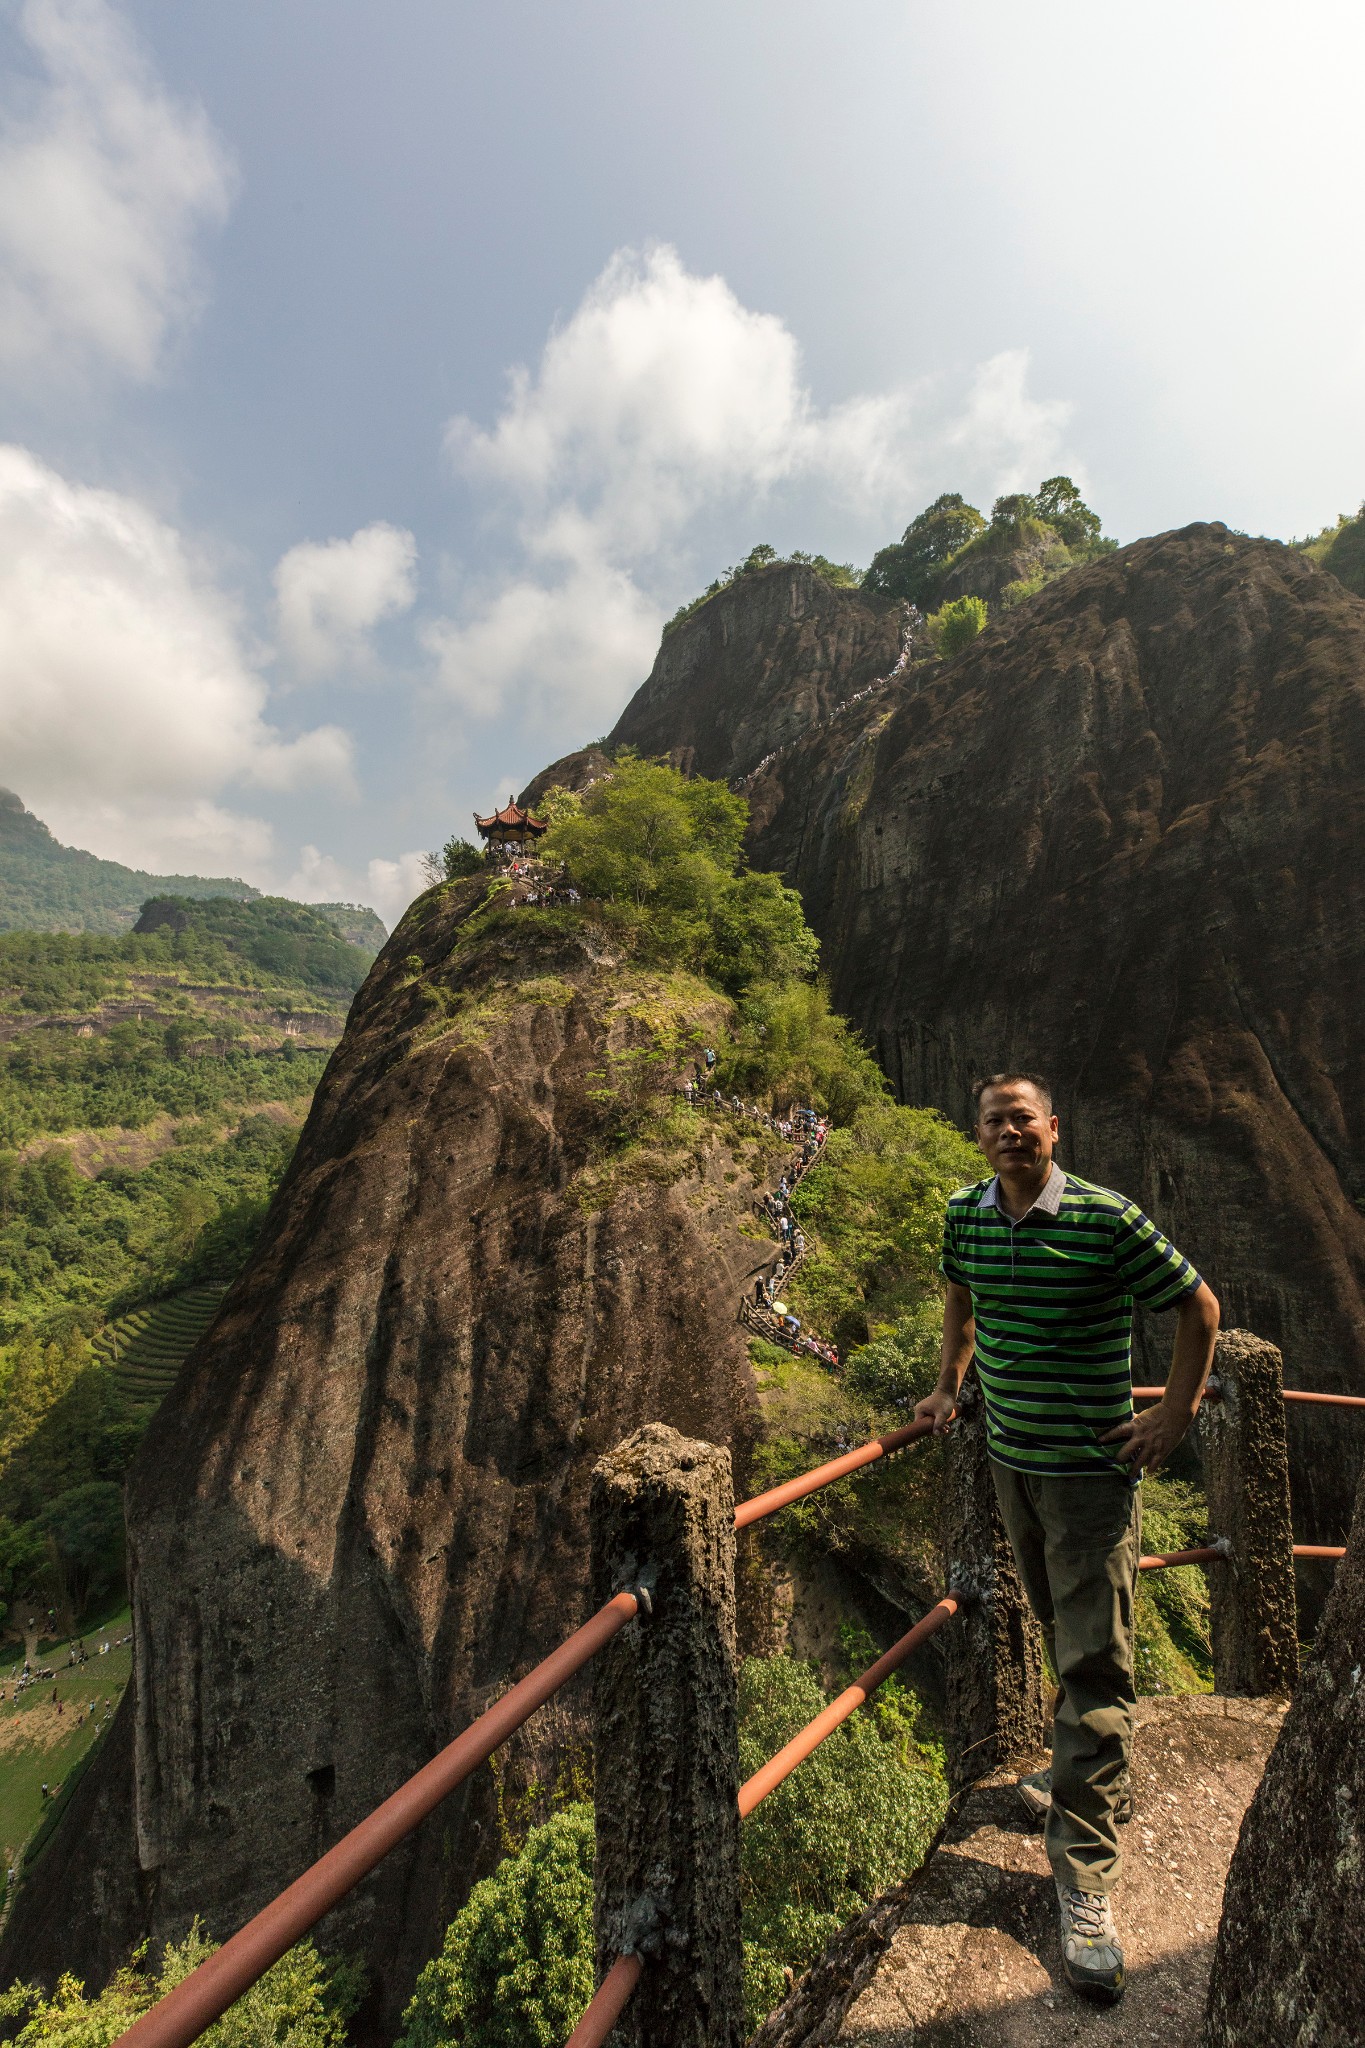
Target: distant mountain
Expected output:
[45,886]
[358,925]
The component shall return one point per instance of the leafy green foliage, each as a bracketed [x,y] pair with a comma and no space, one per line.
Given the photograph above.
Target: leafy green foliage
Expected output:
[1054,522]
[456,859]
[71,1248]
[873,1215]
[86,1529]
[957,625]
[858,1815]
[283,941]
[1172,1647]
[516,1967]
[664,852]
[913,568]
[1341,548]
[787,1045]
[1059,504]
[59,1081]
[301,2002]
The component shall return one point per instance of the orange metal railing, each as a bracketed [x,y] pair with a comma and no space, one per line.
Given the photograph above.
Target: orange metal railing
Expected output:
[205,1995]
[613,1994]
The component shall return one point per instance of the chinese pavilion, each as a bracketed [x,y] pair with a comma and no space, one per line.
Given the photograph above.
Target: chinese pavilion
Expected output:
[511,829]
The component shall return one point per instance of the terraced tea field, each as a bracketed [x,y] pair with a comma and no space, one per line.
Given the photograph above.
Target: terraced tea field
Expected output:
[145,1350]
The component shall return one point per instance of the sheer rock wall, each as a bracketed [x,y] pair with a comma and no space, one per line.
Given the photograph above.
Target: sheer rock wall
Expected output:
[363,1508]
[1120,839]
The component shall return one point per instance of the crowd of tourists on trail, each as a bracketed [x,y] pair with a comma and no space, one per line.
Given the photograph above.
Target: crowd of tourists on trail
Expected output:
[77,1654]
[807,1130]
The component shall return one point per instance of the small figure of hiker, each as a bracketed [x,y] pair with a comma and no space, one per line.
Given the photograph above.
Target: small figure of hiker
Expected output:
[1042,1270]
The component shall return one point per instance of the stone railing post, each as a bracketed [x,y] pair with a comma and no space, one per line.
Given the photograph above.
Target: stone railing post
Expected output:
[666,1741]
[1253,1610]
[993,1652]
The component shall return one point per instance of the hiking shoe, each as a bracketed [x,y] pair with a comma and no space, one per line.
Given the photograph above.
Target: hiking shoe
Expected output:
[1035,1793]
[1091,1955]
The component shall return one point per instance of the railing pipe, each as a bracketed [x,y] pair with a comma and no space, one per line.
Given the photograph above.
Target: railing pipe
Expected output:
[609,2001]
[1213,1392]
[1319,1550]
[612,1994]
[771,1774]
[205,1995]
[1207,1554]
[776,1497]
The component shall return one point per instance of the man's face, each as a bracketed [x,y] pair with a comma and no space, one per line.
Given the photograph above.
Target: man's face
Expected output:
[1015,1129]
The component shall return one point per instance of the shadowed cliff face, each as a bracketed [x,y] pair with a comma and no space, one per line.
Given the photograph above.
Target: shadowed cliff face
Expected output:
[756,666]
[363,1508]
[1119,840]
[1290,1960]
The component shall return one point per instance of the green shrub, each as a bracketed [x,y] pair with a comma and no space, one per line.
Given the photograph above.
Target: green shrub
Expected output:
[898,1369]
[516,1967]
[788,1045]
[301,2003]
[457,858]
[665,853]
[957,625]
[873,1214]
[856,1817]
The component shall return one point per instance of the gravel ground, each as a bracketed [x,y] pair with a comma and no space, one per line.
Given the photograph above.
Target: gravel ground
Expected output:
[975,1963]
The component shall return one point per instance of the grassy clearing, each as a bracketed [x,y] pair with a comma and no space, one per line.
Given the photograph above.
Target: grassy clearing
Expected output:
[38,1745]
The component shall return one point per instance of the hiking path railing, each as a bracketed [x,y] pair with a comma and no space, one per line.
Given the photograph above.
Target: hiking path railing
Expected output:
[661,1641]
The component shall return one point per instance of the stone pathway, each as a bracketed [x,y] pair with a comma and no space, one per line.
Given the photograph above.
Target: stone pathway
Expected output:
[965,1954]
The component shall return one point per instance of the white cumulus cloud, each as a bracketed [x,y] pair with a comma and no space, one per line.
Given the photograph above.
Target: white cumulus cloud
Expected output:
[393,884]
[125,695]
[329,594]
[105,181]
[663,401]
[572,638]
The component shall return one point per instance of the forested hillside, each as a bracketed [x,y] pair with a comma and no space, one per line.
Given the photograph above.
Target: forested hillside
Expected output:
[45,886]
[152,1085]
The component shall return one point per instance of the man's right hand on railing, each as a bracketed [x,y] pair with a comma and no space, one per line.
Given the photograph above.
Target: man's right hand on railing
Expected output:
[936,1408]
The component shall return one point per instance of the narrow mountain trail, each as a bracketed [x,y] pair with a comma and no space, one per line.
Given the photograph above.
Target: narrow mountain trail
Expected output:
[965,1954]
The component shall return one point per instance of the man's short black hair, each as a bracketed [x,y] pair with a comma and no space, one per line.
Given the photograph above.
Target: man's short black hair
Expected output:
[1012,1081]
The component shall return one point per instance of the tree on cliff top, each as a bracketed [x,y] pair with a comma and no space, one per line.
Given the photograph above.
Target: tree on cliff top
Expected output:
[912,568]
[666,853]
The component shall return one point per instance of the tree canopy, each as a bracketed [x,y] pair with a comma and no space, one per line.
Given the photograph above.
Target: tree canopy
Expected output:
[666,853]
[912,568]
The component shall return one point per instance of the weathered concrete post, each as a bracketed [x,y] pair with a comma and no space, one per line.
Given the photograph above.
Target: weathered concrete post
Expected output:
[993,1652]
[1246,1477]
[666,1741]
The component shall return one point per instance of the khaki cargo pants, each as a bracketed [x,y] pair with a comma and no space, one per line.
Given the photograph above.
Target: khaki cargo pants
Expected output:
[1076,1543]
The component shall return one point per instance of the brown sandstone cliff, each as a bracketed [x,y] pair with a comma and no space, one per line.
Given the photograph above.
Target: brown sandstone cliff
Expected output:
[362,1509]
[1289,1968]
[1121,839]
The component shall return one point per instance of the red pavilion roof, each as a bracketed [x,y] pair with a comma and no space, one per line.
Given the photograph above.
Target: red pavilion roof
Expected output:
[512,819]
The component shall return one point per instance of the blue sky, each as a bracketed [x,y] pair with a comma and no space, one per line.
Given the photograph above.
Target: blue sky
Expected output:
[376,380]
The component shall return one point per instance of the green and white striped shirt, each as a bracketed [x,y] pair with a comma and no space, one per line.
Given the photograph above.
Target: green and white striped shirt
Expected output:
[1053,1300]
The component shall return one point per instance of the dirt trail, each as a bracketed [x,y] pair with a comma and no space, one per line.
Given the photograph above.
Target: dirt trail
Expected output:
[965,1955]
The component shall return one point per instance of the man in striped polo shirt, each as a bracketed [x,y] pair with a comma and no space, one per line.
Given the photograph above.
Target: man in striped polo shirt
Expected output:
[1042,1271]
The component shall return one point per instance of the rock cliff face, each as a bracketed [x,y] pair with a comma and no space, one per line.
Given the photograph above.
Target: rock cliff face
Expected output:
[1290,1962]
[756,667]
[1120,839]
[362,1509]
